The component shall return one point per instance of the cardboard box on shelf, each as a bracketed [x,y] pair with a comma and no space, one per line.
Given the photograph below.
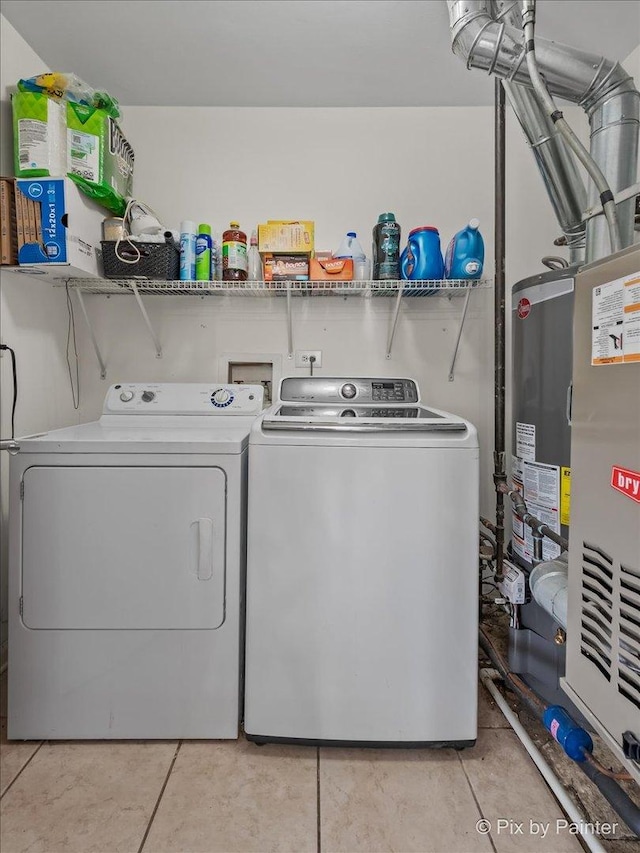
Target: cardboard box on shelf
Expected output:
[285,267]
[286,237]
[8,224]
[324,267]
[32,213]
[64,238]
[18,198]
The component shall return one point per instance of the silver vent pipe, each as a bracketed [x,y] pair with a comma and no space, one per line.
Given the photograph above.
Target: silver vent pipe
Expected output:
[601,87]
[565,187]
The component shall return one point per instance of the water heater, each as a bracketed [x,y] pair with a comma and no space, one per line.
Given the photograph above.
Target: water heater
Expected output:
[542,320]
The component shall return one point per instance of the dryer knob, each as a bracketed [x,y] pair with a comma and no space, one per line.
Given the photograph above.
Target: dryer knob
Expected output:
[126,396]
[221,396]
[349,391]
[148,396]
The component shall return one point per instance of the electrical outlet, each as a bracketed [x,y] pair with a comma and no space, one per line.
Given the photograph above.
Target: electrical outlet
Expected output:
[303,357]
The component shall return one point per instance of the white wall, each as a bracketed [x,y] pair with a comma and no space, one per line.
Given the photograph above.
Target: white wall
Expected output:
[34,317]
[340,168]
[632,64]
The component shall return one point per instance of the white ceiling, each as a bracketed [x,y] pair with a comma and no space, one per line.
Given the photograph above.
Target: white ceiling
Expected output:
[303,53]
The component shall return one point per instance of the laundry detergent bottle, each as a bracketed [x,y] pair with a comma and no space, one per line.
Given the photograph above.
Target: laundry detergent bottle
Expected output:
[465,253]
[386,248]
[421,259]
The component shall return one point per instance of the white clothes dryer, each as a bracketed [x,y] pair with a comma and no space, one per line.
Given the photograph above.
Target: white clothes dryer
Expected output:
[127,557]
[362,573]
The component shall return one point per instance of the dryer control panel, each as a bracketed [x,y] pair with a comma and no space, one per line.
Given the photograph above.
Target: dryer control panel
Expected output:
[321,389]
[183,398]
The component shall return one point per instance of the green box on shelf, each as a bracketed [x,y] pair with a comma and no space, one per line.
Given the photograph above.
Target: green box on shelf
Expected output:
[99,157]
[39,135]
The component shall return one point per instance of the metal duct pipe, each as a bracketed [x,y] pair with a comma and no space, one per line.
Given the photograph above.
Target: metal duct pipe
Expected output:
[607,198]
[565,187]
[614,147]
[601,87]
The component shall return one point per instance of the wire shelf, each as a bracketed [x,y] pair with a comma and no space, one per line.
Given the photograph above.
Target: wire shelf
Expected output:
[449,287]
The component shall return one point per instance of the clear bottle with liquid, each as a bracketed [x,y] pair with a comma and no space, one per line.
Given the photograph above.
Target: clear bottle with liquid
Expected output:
[254,272]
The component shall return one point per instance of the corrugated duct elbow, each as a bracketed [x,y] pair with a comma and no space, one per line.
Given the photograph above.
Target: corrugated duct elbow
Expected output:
[600,86]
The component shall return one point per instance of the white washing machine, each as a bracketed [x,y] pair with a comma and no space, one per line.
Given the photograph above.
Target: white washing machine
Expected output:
[127,563]
[362,573]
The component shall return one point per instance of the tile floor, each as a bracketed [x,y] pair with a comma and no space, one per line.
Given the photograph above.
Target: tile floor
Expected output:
[201,797]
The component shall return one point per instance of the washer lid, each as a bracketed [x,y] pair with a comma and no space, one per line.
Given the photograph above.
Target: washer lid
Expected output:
[362,426]
[360,418]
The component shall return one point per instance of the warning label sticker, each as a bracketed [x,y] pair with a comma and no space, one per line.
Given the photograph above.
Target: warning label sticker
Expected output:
[541,484]
[517,471]
[565,495]
[540,487]
[615,321]
[526,441]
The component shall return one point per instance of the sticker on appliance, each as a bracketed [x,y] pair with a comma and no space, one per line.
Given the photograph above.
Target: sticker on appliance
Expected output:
[541,484]
[565,495]
[626,482]
[517,525]
[526,442]
[541,492]
[549,517]
[615,321]
[517,470]
[524,308]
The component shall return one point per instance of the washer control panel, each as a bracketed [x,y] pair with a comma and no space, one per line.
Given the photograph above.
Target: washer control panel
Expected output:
[183,398]
[321,389]
[391,391]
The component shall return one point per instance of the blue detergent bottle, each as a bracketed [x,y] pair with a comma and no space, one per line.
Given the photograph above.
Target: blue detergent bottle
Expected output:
[421,259]
[465,253]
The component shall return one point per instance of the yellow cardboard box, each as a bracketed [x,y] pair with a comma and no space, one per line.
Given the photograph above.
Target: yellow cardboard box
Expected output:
[291,237]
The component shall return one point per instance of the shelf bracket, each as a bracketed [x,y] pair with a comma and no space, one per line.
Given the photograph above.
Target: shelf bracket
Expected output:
[145,317]
[289,322]
[459,335]
[83,307]
[394,320]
